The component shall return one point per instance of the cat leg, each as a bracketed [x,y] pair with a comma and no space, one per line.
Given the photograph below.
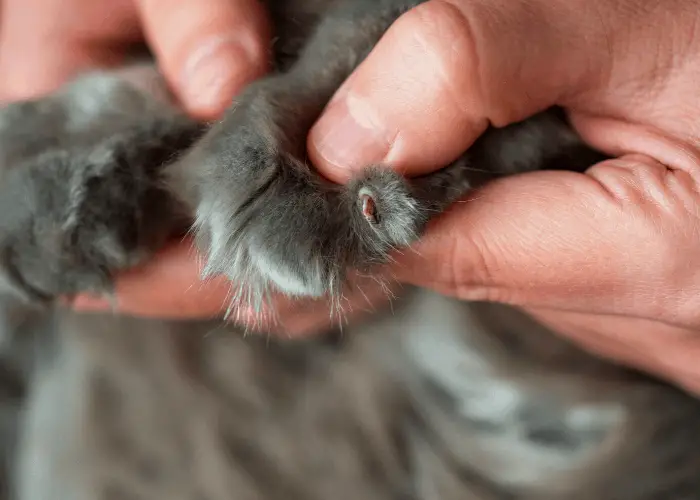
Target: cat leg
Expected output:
[264,217]
[269,222]
[81,194]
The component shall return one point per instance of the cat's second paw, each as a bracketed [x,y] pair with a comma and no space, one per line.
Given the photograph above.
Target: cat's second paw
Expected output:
[70,219]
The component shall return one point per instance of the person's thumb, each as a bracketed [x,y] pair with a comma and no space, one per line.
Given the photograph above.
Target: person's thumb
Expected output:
[208,50]
[443,72]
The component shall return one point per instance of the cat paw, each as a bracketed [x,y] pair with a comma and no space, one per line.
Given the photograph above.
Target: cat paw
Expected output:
[70,219]
[82,193]
[270,223]
[394,216]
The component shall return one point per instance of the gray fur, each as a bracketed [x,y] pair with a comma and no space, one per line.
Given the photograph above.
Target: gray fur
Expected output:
[432,398]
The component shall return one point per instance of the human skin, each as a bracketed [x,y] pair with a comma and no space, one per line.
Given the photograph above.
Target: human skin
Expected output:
[208,50]
[608,257]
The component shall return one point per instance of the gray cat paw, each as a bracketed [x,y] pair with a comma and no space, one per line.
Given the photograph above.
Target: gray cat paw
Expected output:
[269,221]
[71,218]
[69,221]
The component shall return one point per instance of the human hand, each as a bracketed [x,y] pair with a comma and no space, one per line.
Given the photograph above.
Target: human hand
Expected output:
[611,257]
[169,286]
[207,49]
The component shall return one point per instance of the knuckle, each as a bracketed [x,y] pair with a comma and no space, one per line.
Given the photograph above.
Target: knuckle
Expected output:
[661,207]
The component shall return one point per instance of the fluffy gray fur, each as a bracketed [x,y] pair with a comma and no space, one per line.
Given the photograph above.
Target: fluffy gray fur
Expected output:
[432,399]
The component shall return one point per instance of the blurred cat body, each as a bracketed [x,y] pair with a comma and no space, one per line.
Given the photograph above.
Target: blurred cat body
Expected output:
[433,398]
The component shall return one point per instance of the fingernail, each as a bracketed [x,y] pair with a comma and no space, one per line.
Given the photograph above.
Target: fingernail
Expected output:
[350,135]
[216,72]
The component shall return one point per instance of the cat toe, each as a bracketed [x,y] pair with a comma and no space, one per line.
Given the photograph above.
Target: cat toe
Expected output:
[389,215]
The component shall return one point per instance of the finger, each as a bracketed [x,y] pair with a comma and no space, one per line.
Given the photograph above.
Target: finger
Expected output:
[169,287]
[441,74]
[43,43]
[668,351]
[621,239]
[207,49]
